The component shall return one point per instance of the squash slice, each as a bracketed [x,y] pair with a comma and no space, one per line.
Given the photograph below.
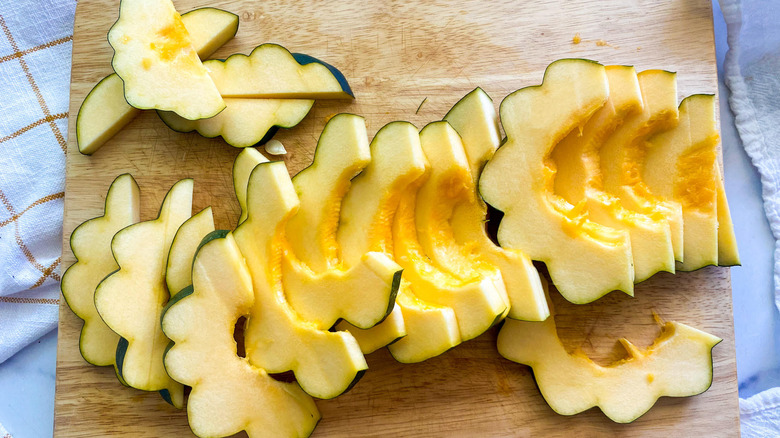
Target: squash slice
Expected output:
[318,286]
[416,330]
[105,111]
[91,245]
[585,260]
[272,72]
[245,163]
[229,394]
[622,155]
[678,364]
[131,299]
[244,122]
[178,272]
[578,175]
[728,253]
[475,119]
[681,165]
[276,338]
[160,68]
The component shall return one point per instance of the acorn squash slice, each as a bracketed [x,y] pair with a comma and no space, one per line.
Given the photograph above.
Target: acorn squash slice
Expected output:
[178,272]
[91,245]
[272,72]
[678,364]
[160,68]
[477,302]
[622,155]
[681,165]
[131,299]
[728,253]
[105,111]
[578,175]
[244,122]
[229,394]
[318,286]
[475,119]
[417,330]
[245,163]
[276,338]
[585,260]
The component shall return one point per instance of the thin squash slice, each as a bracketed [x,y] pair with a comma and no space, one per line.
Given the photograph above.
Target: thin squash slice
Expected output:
[728,253]
[623,154]
[105,111]
[178,271]
[131,299]
[578,177]
[276,338]
[678,364]
[475,119]
[244,122]
[159,66]
[681,165]
[229,394]
[417,330]
[585,260]
[319,287]
[91,245]
[272,72]
[245,163]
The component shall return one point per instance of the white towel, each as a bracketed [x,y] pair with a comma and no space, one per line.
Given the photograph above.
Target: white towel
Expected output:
[35,47]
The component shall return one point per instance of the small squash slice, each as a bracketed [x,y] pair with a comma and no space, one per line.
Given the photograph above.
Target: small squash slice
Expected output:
[475,119]
[276,338]
[415,330]
[131,299]
[245,163]
[229,394]
[244,122]
[728,253]
[681,165]
[91,245]
[318,286]
[678,364]
[578,177]
[272,72]
[105,111]
[477,302]
[160,68]
[622,154]
[448,184]
[178,272]
[585,260]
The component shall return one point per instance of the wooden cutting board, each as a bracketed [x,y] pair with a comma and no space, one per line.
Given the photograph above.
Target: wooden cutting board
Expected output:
[397,55]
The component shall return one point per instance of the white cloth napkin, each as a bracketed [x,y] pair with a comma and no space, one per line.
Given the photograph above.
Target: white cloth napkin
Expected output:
[35,47]
[752,73]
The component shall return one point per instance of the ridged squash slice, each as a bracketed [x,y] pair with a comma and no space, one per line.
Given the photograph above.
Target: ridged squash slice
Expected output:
[245,163]
[681,165]
[160,68]
[105,111]
[318,286]
[475,119]
[131,299]
[178,272]
[91,245]
[728,253]
[578,177]
[585,260]
[244,122]
[448,184]
[417,330]
[276,338]
[477,302]
[678,364]
[272,72]
[229,394]
[622,155]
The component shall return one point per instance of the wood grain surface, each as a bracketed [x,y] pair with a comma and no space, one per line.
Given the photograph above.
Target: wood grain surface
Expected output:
[396,55]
